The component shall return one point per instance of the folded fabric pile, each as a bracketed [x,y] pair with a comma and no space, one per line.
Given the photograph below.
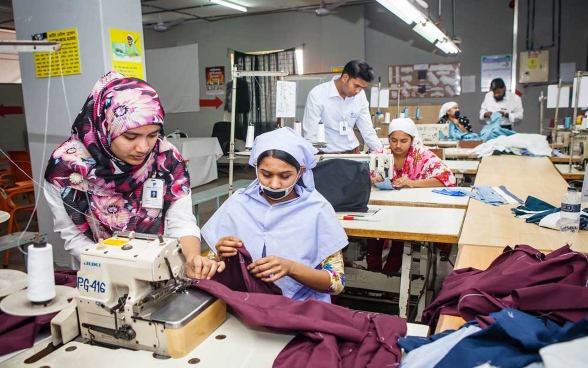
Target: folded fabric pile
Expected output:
[508,338]
[523,278]
[518,144]
[495,196]
[544,214]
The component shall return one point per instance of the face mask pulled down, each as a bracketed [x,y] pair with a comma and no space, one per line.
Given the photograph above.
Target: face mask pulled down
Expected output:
[277,194]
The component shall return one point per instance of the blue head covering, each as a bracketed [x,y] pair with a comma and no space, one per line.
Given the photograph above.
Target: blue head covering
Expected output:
[287,140]
[304,229]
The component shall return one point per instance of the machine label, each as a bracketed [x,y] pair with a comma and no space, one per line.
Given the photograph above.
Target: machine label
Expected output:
[92,264]
[95,286]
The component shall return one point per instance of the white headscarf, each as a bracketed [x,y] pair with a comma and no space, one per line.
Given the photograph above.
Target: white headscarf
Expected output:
[446,106]
[287,140]
[407,126]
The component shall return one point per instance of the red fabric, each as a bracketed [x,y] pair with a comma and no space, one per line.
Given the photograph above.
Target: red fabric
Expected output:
[17,333]
[329,335]
[522,278]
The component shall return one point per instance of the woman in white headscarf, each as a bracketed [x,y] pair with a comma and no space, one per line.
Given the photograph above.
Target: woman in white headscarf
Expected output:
[414,166]
[291,231]
[450,113]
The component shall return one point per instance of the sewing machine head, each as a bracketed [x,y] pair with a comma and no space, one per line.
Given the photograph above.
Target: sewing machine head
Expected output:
[132,295]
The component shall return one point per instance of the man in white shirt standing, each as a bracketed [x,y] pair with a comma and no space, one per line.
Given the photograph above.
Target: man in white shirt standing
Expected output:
[341,104]
[505,102]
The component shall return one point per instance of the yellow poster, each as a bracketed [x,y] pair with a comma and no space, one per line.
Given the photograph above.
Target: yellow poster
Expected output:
[64,62]
[125,47]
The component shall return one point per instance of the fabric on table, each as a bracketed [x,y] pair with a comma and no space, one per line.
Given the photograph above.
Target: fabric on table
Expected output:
[570,354]
[518,278]
[457,192]
[384,185]
[329,335]
[539,212]
[512,341]
[430,355]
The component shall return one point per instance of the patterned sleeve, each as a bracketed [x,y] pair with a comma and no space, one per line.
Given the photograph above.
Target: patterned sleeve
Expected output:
[434,167]
[465,122]
[334,265]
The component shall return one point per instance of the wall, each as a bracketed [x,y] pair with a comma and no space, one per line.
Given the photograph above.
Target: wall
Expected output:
[51,104]
[374,34]
[328,41]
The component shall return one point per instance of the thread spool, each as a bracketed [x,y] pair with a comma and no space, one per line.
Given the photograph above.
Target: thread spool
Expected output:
[298,127]
[320,134]
[387,118]
[41,281]
[250,136]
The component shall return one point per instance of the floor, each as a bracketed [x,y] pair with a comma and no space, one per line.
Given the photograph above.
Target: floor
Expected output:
[207,209]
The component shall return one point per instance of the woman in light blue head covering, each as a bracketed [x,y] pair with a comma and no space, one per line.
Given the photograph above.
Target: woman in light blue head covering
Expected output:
[290,230]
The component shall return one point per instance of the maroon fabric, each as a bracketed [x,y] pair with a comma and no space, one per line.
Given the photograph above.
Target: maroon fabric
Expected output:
[18,333]
[329,335]
[521,278]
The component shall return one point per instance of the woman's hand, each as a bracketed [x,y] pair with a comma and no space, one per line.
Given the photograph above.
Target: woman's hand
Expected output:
[403,182]
[227,247]
[200,267]
[376,177]
[265,267]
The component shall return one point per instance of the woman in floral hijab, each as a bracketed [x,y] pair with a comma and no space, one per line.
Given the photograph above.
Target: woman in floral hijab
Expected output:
[97,175]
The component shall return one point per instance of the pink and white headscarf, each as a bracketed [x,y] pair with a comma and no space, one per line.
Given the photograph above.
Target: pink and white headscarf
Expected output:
[95,184]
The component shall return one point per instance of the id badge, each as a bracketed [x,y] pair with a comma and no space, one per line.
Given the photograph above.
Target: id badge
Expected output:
[153,192]
[343,127]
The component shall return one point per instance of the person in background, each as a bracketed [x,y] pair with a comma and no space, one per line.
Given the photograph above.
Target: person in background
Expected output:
[506,103]
[414,165]
[291,231]
[450,112]
[341,104]
[95,181]
[131,48]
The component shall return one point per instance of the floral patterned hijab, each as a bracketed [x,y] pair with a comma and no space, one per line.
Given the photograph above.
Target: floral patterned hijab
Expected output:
[102,193]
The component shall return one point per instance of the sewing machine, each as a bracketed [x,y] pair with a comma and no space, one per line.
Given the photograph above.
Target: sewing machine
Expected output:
[131,296]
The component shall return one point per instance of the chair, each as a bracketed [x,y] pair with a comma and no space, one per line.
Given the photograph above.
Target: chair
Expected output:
[20,169]
[469,144]
[222,131]
[10,203]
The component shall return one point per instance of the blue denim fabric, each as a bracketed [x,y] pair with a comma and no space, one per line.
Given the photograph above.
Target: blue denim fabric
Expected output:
[384,185]
[450,192]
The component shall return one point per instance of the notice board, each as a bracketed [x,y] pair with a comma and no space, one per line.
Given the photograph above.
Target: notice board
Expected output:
[425,80]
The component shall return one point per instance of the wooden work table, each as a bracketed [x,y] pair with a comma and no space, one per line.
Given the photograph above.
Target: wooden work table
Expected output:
[487,229]
[564,170]
[425,224]
[416,197]
[496,226]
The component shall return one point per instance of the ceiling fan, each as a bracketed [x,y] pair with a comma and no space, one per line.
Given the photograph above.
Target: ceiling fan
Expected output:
[325,9]
[162,26]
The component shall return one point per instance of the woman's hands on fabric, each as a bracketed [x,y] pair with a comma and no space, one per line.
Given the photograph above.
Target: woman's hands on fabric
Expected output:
[227,247]
[200,267]
[376,177]
[265,267]
[403,182]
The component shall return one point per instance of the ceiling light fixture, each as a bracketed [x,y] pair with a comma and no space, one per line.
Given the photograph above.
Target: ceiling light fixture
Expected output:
[230,5]
[429,31]
[404,10]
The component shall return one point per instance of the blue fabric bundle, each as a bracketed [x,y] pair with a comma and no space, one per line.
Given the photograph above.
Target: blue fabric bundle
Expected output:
[534,210]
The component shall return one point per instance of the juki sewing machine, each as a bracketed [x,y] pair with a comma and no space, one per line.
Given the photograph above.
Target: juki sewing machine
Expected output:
[132,296]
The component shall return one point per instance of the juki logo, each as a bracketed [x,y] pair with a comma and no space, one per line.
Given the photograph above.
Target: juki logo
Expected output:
[92,264]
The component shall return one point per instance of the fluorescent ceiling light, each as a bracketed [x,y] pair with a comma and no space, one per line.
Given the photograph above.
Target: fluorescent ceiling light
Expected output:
[404,10]
[230,5]
[426,31]
[447,46]
[429,31]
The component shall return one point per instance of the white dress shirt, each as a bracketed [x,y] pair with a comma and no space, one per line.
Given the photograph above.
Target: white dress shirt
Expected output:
[179,221]
[511,103]
[325,104]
